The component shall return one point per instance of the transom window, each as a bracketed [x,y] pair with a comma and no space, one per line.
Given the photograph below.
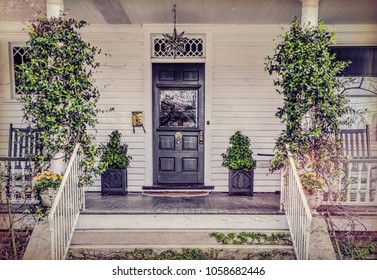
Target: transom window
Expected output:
[194,47]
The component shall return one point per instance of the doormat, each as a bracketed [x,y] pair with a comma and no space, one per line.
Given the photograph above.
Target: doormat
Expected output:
[175,194]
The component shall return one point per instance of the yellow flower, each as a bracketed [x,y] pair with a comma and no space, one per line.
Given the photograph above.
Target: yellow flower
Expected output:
[49,175]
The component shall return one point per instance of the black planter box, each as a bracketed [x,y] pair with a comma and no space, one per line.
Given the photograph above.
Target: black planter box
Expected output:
[114,181]
[241,182]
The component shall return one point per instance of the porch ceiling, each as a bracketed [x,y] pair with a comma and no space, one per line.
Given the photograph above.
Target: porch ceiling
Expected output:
[195,11]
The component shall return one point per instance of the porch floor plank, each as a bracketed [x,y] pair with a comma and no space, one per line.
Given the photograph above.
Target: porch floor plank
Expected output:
[214,203]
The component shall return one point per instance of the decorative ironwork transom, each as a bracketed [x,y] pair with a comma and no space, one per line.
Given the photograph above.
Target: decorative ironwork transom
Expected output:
[194,47]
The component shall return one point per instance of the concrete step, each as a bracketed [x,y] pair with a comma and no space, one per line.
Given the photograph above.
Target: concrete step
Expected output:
[213,253]
[122,236]
[214,222]
[152,244]
[156,238]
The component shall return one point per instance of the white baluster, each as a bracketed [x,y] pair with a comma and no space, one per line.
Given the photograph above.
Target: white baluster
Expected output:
[368,190]
[359,173]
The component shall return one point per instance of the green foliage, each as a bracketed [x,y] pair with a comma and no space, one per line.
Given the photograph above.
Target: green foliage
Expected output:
[182,254]
[58,93]
[148,254]
[355,248]
[188,254]
[276,254]
[314,107]
[223,238]
[361,252]
[252,238]
[310,182]
[113,154]
[239,156]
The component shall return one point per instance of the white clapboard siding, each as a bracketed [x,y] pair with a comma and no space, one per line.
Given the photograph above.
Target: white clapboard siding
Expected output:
[121,82]
[10,112]
[244,98]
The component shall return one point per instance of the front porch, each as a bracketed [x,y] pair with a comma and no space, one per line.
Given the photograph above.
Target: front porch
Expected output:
[213,203]
[239,95]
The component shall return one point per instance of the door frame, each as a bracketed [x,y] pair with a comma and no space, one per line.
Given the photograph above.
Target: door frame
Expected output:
[149,30]
[155,88]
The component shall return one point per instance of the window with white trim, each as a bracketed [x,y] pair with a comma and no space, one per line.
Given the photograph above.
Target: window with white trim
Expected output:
[18,55]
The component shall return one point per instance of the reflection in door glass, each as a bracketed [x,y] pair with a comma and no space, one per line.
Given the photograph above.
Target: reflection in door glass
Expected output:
[178,108]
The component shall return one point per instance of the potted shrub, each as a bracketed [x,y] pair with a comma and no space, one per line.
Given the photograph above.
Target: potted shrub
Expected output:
[46,185]
[239,160]
[113,165]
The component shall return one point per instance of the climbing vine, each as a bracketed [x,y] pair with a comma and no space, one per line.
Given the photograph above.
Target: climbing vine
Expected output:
[58,92]
[314,108]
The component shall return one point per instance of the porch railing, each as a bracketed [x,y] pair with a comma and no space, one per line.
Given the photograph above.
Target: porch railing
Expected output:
[357,184]
[17,172]
[362,182]
[296,208]
[66,208]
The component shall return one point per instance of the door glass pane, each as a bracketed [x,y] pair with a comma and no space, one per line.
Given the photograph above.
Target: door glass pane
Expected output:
[178,108]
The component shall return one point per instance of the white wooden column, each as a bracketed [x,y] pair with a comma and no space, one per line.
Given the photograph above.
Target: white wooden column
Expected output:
[54,7]
[309,12]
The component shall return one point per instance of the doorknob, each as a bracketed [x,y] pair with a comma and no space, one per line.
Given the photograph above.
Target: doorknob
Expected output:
[201,136]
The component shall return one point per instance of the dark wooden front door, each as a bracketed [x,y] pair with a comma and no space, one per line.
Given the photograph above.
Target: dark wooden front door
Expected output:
[178,123]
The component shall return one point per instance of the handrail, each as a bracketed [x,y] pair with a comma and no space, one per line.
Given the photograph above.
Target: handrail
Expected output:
[297,210]
[363,160]
[65,210]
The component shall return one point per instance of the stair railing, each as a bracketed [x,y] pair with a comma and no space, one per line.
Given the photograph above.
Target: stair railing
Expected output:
[64,213]
[296,208]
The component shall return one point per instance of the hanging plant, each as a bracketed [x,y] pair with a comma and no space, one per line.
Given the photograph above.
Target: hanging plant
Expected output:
[58,95]
[314,108]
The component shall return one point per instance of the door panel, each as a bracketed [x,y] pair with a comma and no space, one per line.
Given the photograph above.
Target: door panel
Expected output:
[178,123]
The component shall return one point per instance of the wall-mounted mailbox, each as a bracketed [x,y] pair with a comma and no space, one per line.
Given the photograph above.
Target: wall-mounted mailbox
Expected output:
[137,120]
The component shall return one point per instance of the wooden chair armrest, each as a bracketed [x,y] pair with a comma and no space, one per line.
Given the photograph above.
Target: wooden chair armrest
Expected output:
[366,160]
[14,159]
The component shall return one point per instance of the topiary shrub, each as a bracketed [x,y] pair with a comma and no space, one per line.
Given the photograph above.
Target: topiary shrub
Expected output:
[239,156]
[113,154]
